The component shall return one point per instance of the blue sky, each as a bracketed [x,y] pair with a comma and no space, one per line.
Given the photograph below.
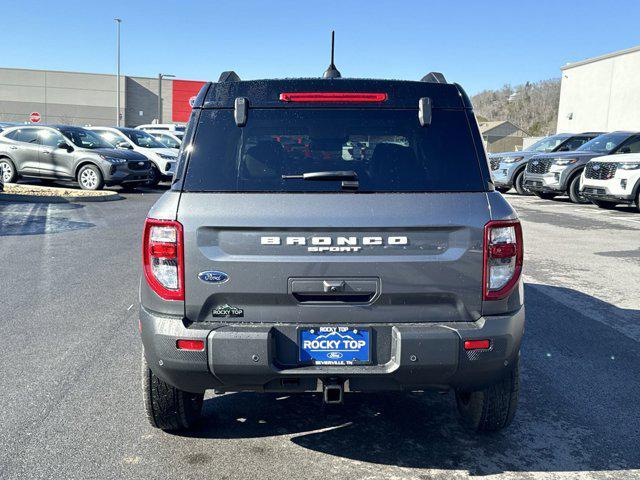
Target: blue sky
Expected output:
[480,44]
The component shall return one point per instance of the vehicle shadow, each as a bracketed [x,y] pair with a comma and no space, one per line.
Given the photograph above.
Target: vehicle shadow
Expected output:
[18,219]
[124,191]
[578,405]
[620,207]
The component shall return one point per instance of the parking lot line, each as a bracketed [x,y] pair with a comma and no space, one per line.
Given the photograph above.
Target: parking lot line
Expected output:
[628,219]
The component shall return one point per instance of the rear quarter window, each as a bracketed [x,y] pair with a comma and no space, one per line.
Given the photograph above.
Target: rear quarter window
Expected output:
[25,135]
[387,149]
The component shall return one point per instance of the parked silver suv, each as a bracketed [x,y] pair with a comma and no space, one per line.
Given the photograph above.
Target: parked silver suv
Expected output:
[507,168]
[551,174]
[61,152]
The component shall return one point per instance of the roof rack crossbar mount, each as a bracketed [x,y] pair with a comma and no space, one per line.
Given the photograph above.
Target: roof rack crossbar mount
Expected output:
[434,77]
[229,76]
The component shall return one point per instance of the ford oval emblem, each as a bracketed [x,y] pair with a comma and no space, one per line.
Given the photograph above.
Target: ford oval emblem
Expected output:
[334,355]
[213,277]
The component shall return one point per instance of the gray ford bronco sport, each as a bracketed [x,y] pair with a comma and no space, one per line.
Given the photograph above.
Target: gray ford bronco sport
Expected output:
[332,235]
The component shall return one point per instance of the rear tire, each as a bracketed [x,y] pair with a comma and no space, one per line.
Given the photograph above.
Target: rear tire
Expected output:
[637,207]
[90,178]
[8,171]
[574,191]
[546,195]
[503,189]
[167,407]
[518,184]
[493,408]
[604,204]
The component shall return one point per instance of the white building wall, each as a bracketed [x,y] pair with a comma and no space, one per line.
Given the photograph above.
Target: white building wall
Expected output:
[601,94]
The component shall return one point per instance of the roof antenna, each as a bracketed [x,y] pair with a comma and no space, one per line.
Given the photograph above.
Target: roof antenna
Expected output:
[332,71]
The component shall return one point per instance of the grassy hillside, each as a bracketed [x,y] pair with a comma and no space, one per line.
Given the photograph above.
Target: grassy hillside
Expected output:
[532,106]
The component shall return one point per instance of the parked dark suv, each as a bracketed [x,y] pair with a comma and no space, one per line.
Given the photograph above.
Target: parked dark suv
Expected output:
[552,174]
[69,153]
[332,235]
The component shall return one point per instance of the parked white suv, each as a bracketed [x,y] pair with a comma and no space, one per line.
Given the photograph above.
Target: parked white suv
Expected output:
[166,127]
[170,139]
[613,179]
[163,158]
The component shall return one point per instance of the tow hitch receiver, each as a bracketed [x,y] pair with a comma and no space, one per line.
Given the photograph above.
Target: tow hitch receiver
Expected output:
[333,393]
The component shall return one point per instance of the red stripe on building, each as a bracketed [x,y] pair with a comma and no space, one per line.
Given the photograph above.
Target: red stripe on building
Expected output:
[183,92]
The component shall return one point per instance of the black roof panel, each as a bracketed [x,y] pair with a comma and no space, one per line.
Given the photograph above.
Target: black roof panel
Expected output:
[266,93]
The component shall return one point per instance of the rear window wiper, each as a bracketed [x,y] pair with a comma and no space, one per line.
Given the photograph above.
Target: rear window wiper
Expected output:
[349,177]
[331,175]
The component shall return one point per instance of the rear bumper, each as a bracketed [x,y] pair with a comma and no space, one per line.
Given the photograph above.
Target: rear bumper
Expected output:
[263,357]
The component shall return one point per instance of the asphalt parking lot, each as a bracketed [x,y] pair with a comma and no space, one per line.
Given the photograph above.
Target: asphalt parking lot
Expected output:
[71,404]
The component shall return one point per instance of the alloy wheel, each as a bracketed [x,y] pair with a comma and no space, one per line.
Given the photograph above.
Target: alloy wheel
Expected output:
[7,171]
[89,179]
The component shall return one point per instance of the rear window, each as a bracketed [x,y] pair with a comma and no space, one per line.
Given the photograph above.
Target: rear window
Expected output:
[387,149]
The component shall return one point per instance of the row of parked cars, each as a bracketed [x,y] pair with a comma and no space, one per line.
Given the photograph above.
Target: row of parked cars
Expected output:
[596,167]
[94,157]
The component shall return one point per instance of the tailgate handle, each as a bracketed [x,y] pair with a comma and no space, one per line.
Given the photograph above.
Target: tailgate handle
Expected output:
[333,286]
[334,290]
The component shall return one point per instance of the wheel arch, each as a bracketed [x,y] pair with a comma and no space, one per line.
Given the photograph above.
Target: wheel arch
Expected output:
[636,188]
[82,163]
[576,173]
[518,171]
[8,157]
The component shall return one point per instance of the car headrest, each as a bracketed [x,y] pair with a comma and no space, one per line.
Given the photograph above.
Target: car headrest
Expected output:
[264,160]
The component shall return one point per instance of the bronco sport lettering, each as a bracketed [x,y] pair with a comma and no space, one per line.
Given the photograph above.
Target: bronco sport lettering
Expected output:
[340,244]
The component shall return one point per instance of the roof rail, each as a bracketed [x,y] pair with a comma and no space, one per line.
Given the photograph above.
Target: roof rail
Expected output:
[229,76]
[434,77]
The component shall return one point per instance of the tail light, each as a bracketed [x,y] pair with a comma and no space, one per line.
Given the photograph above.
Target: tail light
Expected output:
[502,258]
[333,97]
[163,258]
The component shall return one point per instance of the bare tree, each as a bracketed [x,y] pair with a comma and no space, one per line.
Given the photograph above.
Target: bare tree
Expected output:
[531,106]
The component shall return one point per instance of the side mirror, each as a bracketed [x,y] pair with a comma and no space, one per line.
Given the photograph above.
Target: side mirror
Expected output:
[625,150]
[563,149]
[65,145]
[124,145]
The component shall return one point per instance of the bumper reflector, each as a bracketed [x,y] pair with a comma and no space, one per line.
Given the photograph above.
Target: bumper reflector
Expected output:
[197,345]
[477,344]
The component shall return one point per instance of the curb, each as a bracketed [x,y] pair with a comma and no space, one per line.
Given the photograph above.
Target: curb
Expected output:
[14,197]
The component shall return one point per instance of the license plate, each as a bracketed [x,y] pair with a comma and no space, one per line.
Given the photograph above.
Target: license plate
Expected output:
[334,345]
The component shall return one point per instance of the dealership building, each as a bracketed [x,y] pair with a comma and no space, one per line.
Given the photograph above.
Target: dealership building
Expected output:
[601,94]
[76,98]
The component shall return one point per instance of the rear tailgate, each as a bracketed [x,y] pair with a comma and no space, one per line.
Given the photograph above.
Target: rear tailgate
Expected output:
[334,257]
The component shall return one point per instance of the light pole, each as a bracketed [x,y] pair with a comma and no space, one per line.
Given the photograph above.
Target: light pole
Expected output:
[118,21]
[160,77]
